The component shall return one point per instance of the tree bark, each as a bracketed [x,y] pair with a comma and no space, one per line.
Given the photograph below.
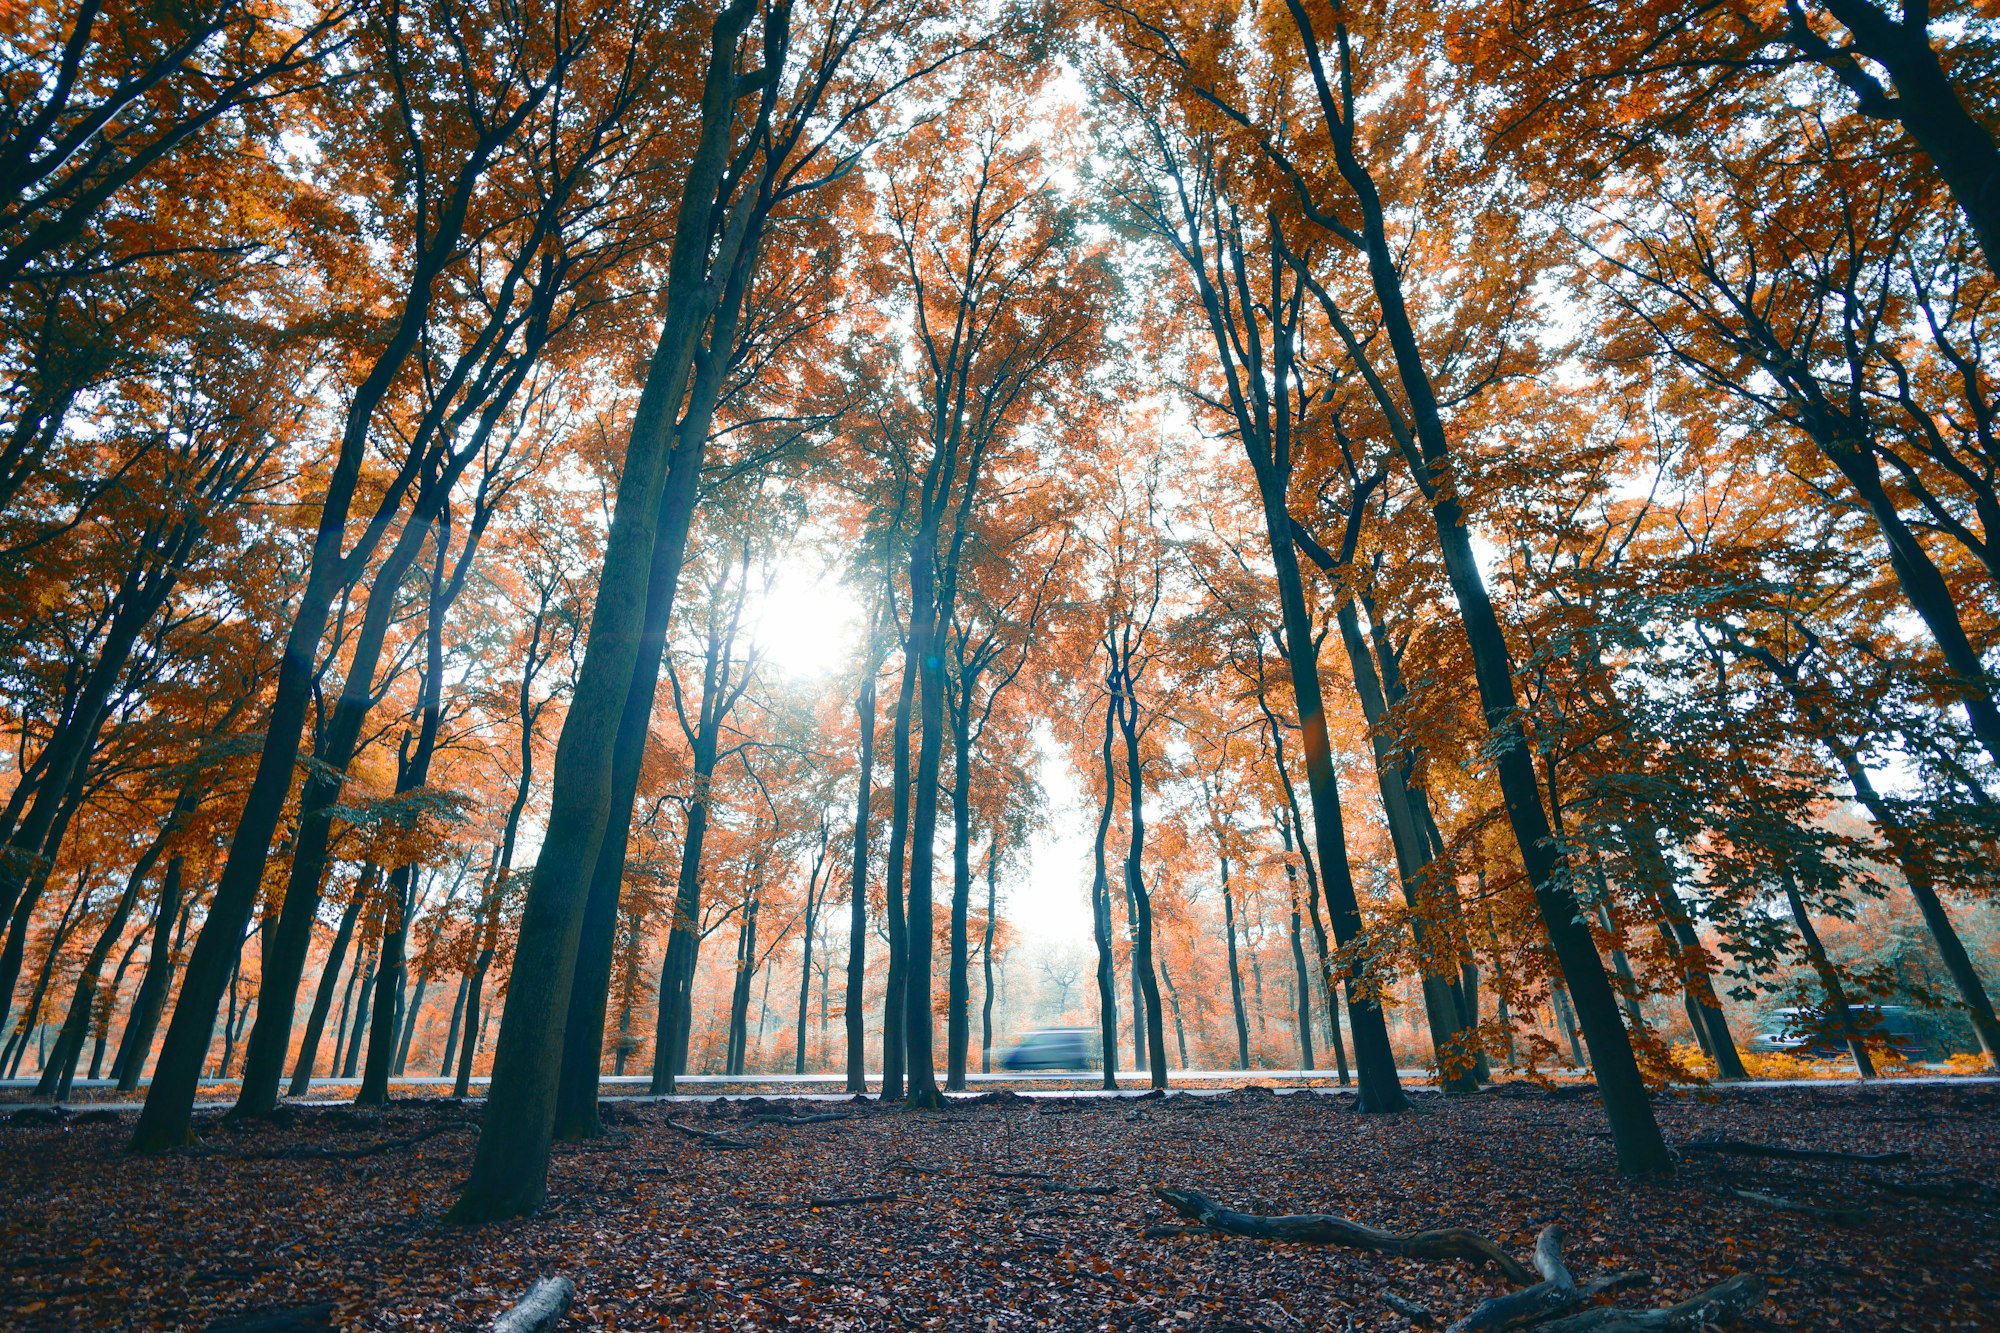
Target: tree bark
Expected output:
[510,1166]
[137,1043]
[1100,910]
[857,879]
[329,981]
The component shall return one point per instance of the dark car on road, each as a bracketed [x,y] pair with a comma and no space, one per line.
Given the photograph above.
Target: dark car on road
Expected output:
[1818,1034]
[1053,1048]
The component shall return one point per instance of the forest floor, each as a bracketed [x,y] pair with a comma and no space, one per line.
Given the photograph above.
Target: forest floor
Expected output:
[1003,1213]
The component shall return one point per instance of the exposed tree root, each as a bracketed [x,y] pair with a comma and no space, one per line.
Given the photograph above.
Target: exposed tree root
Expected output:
[1556,1293]
[1723,1301]
[1551,1305]
[840,1200]
[712,1140]
[1326,1229]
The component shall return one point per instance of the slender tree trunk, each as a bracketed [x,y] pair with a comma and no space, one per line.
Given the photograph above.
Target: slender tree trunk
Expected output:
[110,1007]
[1923,888]
[1174,1003]
[857,886]
[739,998]
[329,981]
[59,1070]
[451,1033]
[986,956]
[1135,885]
[340,1028]
[1295,828]
[1303,983]
[361,1024]
[31,1017]
[1374,1062]
[1704,1005]
[1235,973]
[1100,912]
[169,923]
[958,984]
[1829,976]
[416,1007]
[15,951]
[893,1016]
[1419,427]
[583,1036]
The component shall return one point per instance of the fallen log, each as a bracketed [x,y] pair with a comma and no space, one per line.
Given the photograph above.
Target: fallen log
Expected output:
[711,1139]
[817,1119]
[1721,1302]
[1740,1148]
[1555,1294]
[540,1310]
[1437,1246]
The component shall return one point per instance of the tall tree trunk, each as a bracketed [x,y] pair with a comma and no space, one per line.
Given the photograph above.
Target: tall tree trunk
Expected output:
[1235,973]
[110,1005]
[958,984]
[1704,1005]
[410,1013]
[1923,888]
[893,1044]
[510,1165]
[1289,830]
[329,981]
[1303,985]
[361,1024]
[928,616]
[15,951]
[169,920]
[451,1033]
[1174,1002]
[59,1068]
[1100,911]
[739,998]
[1135,885]
[1829,976]
[986,955]
[1418,426]
[340,1027]
[31,1017]
[1436,951]
[583,1036]
[857,881]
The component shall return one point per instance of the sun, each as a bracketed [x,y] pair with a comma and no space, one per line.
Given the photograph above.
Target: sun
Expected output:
[806,623]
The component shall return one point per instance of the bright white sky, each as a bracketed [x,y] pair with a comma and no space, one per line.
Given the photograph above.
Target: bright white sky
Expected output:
[809,626]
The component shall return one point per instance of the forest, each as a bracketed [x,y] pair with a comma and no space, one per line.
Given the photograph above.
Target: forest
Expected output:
[1413,583]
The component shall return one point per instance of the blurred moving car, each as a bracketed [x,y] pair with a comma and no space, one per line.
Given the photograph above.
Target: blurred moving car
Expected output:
[1817,1034]
[1053,1048]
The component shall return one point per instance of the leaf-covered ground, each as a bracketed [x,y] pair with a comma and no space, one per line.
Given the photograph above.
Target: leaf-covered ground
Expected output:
[985,1226]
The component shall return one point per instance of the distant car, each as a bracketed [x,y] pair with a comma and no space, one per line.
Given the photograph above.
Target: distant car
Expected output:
[1053,1048]
[1820,1035]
